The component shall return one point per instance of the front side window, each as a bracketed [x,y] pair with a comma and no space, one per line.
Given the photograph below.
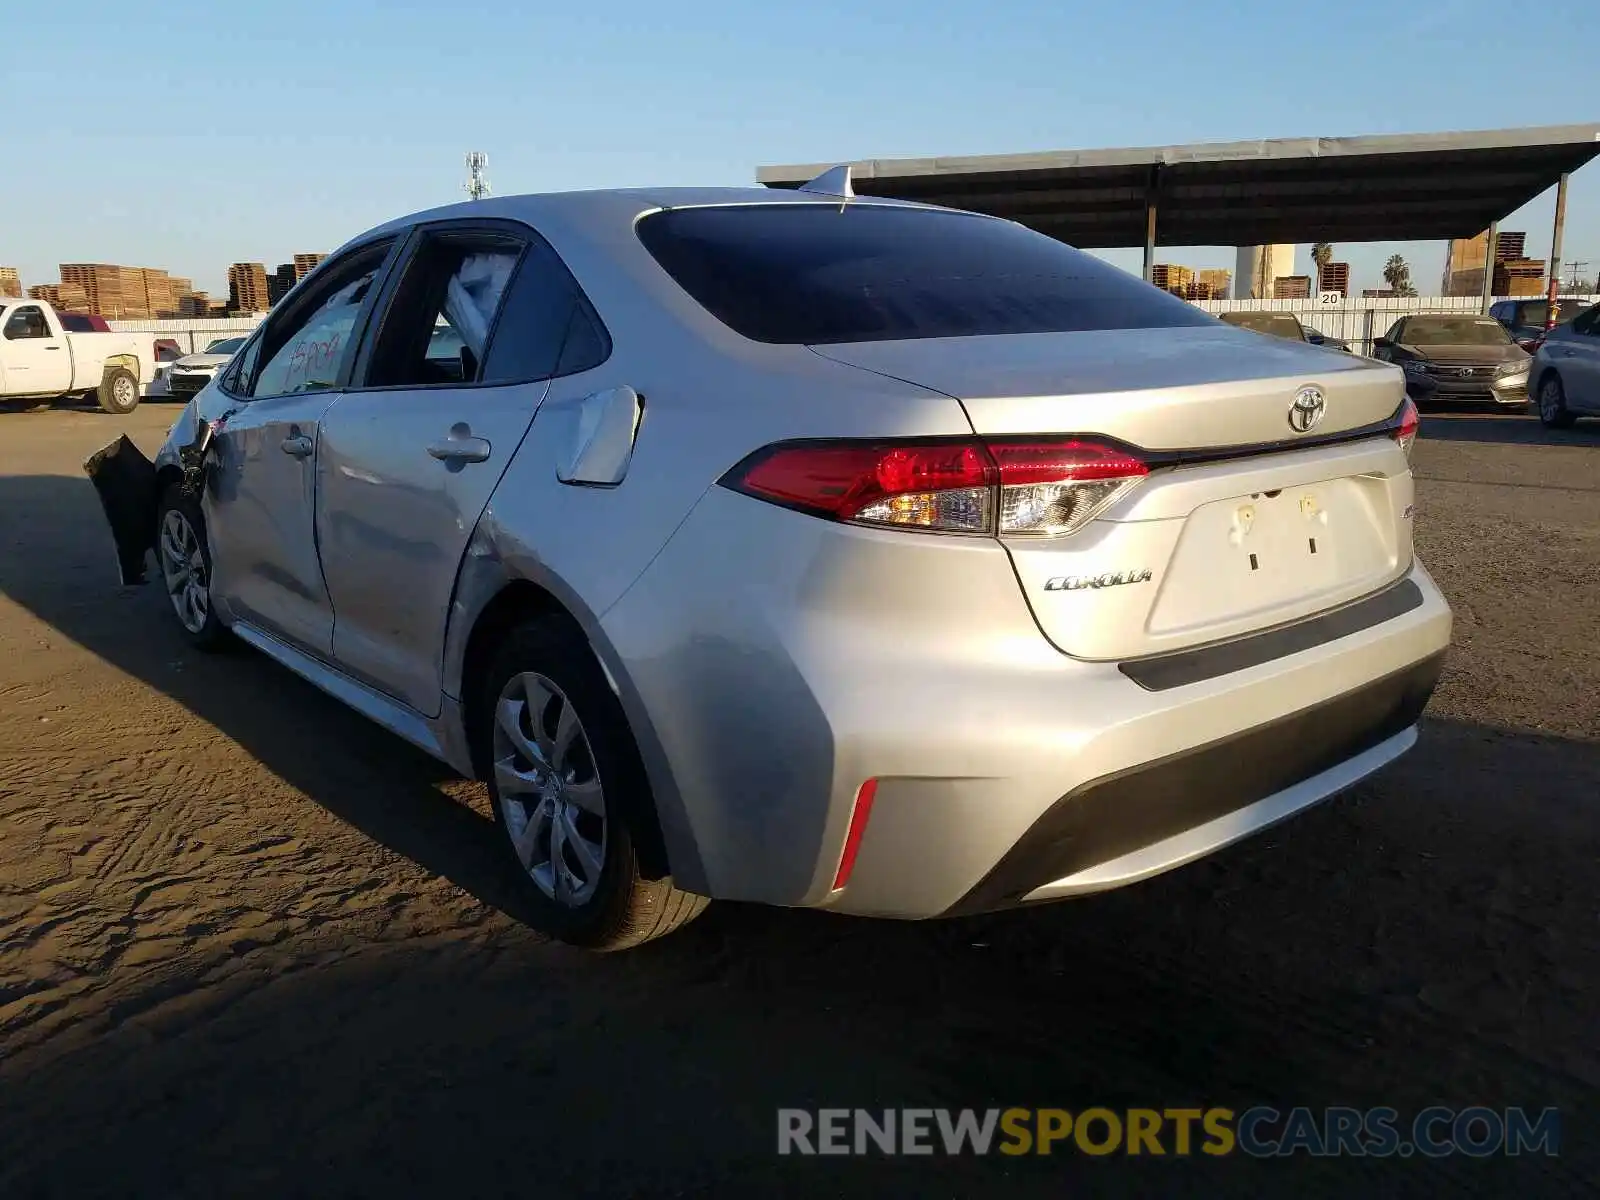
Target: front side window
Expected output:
[810,274]
[308,352]
[26,322]
[241,373]
[436,328]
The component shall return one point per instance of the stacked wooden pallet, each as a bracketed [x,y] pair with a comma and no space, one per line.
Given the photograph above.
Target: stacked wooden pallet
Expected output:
[1519,277]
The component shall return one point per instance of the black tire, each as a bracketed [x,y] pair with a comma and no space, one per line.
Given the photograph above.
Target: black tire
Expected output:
[210,634]
[625,908]
[1552,403]
[119,391]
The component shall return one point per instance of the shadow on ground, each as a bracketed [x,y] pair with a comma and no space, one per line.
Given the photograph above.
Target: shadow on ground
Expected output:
[1485,424]
[1427,939]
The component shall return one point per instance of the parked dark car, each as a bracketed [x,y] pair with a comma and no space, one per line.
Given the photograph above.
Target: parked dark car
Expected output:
[1460,357]
[1526,320]
[1317,338]
[1274,324]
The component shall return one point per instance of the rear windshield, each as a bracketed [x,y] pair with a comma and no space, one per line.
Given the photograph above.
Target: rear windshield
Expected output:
[1282,325]
[1453,331]
[814,274]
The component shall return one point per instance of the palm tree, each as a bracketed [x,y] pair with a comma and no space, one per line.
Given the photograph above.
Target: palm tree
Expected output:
[1398,276]
[1321,256]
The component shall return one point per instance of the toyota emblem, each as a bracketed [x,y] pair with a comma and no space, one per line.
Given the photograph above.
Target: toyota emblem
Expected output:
[1308,409]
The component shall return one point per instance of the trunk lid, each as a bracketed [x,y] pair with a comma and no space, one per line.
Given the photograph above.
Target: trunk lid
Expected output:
[1264,533]
[1159,389]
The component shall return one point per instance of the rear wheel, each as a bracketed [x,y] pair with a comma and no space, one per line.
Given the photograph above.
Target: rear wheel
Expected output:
[185,561]
[119,391]
[1553,411]
[570,793]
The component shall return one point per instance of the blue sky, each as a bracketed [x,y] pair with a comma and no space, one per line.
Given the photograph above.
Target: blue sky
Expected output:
[189,135]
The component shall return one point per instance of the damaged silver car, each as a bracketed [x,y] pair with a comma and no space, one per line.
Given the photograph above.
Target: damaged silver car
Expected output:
[804,548]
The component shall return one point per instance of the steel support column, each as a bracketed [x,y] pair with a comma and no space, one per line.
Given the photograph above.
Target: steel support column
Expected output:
[1151,197]
[1488,264]
[1555,252]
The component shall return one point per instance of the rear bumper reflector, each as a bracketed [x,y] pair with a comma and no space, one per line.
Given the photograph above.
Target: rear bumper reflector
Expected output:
[858,826]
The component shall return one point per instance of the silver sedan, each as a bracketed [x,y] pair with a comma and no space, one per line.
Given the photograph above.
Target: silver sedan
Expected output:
[804,548]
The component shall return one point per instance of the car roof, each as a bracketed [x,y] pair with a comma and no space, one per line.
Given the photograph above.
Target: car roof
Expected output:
[607,206]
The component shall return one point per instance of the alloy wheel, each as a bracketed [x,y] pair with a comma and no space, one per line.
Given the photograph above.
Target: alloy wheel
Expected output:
[123,391]
[1550,400]
[551,799]
[183,566]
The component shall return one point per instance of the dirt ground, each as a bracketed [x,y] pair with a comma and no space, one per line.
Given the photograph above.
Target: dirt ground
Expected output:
[252,945]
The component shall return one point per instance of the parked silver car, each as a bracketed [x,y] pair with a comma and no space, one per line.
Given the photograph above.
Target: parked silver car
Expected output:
[1566,371]
[805,549]
[192,372]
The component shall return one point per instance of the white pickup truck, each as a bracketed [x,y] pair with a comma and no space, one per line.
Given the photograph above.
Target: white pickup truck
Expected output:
[39,360]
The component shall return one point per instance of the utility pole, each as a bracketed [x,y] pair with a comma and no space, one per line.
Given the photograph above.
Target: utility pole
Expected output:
[477,185]
[1551,307]
[1575,276]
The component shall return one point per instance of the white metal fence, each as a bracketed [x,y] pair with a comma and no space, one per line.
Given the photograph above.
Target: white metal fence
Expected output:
[193,334]
[1355,319]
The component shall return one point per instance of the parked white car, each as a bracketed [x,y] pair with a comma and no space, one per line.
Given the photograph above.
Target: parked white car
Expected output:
[40,360]
[193,371]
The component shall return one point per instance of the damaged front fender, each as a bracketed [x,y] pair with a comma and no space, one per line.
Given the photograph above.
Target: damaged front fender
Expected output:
[126,483]
[129,486]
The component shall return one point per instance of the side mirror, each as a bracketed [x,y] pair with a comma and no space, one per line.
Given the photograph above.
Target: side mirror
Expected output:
[1382,343]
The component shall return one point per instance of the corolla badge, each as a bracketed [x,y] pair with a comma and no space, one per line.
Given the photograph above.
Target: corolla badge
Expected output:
[1076,583]
[1308,409]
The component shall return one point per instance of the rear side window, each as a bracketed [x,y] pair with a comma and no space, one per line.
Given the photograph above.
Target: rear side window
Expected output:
[541,312]
[814,274]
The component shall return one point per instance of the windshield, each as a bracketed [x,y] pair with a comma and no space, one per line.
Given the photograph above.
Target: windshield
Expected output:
[225,346]
[1453,331]
[1282,325]
[809,274]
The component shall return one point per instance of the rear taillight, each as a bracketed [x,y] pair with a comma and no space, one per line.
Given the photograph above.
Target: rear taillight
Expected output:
[1405,432]
[1037,487]
[1051,488]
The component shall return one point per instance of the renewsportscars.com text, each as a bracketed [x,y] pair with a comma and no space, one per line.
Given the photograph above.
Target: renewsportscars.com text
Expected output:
[1260,1131]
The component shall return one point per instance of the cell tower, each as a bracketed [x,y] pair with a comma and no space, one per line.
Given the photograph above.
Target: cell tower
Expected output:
[477,186]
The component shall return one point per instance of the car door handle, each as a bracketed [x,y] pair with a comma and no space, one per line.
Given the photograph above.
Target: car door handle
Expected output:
[52,347]
[298,446]
[461,447]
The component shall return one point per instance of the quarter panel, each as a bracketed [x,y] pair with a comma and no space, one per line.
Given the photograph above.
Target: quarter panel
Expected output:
[702,413]
[746,640]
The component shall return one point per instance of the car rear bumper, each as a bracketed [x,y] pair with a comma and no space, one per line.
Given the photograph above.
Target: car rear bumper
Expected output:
[1172,775]
[1006,771]
[1148,819]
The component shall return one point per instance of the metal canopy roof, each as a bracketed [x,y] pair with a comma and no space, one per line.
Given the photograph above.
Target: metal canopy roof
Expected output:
[1408,187]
